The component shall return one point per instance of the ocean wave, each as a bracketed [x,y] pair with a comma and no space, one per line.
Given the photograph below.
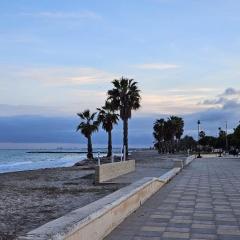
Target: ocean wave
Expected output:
[20,160]
[15,164]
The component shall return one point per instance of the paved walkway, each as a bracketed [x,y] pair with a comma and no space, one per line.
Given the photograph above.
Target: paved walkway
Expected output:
[202,202]
[148,164]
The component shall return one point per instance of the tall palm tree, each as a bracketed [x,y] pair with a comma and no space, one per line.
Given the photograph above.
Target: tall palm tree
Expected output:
[125,97]
[173,131]
[179,127]
[108,117]
[88,125]
[158,133]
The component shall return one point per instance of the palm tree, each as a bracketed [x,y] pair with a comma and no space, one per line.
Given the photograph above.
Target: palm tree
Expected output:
[180,127]
[176,126]
[202,134]
[158,133]
[173,121]
[88,126]
[108,117]
[125,97]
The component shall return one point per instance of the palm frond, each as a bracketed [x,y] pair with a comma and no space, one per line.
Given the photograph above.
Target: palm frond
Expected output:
[89,124]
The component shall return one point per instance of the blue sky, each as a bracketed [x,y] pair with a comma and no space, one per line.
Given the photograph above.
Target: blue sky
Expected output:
[58,57]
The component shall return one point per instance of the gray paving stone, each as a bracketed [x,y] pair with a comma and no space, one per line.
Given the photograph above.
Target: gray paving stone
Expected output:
[204,236]
[202,202]
[178,235]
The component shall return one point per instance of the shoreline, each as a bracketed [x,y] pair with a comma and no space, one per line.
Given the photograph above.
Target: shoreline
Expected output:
[44,159]
[58,152]
[82,164]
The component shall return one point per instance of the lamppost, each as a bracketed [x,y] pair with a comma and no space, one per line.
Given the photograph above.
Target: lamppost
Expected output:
[199,153]
[226,136]
[220,151]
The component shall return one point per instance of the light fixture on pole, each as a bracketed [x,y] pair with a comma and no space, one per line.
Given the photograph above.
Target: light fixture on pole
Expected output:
[226,136]
[199,153]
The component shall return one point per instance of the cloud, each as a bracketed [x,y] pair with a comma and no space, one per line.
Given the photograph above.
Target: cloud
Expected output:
[52,90]
[229,99]
[58,129]
[215,101]
[231,105]
[193,91]
[14,110]
[78,97]
[175,101]
[157,66]
[169,104]
[230,92]
[224,107]
[39,129]
[59,15]
[58,76]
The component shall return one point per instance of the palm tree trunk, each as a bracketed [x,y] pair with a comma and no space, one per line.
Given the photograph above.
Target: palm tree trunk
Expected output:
[159,146]
[172,144]
[125,135]
[109,144]
[90,153]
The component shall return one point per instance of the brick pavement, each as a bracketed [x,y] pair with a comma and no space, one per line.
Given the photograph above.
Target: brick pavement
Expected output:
[202,202]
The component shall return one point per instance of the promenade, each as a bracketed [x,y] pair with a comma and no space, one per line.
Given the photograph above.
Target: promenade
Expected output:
[202,202]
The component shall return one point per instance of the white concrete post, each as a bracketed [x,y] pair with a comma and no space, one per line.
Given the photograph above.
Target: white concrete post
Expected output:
[99,162]
[124,153]
[121,154]
[112,158]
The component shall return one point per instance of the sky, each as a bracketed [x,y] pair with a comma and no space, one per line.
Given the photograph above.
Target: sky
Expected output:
[59,57]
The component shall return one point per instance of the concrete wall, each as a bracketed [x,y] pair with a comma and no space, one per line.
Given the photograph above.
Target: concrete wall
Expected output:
[179,163]
[189,159]
[209,155]
[109,171]
[104,224]
[96,220]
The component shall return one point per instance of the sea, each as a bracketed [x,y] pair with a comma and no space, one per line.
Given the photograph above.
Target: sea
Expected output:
[23,159]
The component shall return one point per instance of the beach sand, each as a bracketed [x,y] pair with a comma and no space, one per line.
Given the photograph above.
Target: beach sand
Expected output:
[29,199]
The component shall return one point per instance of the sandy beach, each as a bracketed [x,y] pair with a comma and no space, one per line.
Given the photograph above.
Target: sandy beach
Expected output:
[31,198]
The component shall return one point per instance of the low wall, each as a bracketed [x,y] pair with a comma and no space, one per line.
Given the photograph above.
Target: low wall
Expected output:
[96,220]
[166,177]
[189,159]
[179,163]
[206,155]
[109,171]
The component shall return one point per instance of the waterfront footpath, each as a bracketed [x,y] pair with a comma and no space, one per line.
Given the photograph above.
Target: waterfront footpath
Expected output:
[202,202]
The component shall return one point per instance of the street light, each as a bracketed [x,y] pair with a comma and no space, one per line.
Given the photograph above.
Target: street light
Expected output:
[220,153]
[199,153]
[226,136]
